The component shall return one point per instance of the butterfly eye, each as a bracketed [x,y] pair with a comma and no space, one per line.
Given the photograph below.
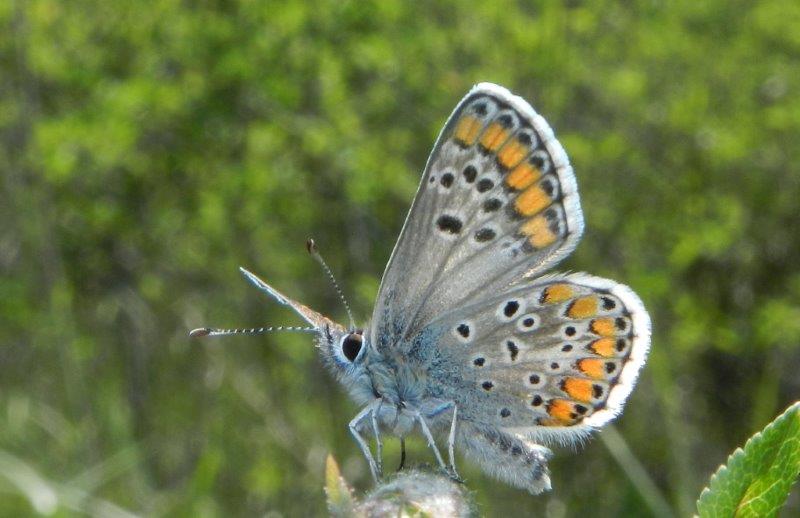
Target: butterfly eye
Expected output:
[351,346]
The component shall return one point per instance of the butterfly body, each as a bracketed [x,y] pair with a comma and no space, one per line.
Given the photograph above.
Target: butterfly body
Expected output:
[469,334]
[400,380]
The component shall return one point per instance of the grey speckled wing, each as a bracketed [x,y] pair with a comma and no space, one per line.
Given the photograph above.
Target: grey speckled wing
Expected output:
[550,359]
[497,201]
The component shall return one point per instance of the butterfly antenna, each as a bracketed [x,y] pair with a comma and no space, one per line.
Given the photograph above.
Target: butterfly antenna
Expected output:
[211,331]
[312,249]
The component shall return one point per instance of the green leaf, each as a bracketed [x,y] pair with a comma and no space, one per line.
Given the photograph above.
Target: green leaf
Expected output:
[757,479]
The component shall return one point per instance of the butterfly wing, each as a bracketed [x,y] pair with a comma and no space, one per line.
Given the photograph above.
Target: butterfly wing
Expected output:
[550,359]
[497,200]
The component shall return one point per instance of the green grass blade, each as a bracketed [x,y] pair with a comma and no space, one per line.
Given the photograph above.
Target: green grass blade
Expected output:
[756,480]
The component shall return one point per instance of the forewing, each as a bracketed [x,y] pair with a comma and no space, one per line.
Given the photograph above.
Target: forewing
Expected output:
[551,359]
[497,200]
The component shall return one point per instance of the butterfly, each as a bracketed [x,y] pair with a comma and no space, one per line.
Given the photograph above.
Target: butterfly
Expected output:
[470,337]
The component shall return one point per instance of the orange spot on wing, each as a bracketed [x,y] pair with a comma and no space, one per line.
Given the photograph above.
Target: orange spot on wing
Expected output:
[532,201]
[512,153]
[467,129]
[578,388]
[561,410]
[592,367]
[603,327]
[538,231]
[604,347]
[523,176]
[557,293]
[583,307]
[494,136]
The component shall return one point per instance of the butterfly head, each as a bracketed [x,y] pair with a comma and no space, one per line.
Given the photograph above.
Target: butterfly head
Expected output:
[348,355]
[343,349]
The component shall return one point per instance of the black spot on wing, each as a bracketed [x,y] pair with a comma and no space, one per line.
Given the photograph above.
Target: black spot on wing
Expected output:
[491,205]
[463,330]
[528,322]
[511,308]
[485,185]
[449,224]
[524,138]
[470,173]
[484,234]
[513,350]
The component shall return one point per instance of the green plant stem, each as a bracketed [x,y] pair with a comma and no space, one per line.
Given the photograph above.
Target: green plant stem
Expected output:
[636,473]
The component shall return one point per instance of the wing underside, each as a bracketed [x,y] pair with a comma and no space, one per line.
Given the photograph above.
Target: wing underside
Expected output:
[552,358]
[497,201]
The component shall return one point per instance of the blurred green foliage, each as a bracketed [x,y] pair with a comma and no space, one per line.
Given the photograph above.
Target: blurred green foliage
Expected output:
[149,148]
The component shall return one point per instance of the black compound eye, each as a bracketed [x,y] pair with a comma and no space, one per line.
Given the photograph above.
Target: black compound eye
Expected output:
[351,346]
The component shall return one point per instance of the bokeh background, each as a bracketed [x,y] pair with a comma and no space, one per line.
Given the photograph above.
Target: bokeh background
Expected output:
[147,149]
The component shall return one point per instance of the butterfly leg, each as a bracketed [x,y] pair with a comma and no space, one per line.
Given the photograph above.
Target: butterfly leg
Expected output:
[402,453]
[377,433]
[428,437]
[355,431]
[451,438]
[451,443]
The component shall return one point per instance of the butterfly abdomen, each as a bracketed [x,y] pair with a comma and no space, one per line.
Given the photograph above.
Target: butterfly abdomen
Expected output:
[506,457]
